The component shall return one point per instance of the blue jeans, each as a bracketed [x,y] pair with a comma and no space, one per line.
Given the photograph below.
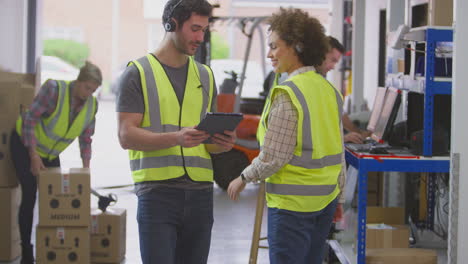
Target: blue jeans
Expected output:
[297,237]
[175,225]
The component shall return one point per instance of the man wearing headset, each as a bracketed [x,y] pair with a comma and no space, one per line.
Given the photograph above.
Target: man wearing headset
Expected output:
[162,97]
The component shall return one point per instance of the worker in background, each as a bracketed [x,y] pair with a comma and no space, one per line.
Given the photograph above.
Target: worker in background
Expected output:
[333,56]
[162,97]
[60,112]
[300,135]
[354,135]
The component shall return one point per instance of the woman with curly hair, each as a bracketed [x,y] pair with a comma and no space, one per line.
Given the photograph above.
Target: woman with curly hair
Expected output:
[301,156]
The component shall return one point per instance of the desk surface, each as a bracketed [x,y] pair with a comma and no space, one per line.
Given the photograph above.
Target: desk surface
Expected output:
[404,162]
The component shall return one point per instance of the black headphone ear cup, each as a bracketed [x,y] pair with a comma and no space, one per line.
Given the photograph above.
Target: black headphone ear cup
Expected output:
[298,48]
[170,25]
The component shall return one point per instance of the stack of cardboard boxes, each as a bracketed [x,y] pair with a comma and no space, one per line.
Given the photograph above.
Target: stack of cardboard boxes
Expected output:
[68,231]
[16,93]
[62,235]
[387,239]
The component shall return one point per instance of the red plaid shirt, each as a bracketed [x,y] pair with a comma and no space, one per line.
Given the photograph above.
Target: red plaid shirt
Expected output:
[44,105]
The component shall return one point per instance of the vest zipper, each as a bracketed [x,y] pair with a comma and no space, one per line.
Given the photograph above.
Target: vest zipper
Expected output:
[181,148]
[180,107]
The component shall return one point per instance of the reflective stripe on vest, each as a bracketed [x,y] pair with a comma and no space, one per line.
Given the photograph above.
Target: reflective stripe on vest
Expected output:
[167,161]
[161,116]
[302,190]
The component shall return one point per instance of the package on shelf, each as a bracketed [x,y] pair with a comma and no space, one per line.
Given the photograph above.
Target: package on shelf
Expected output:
[108,235]
[386,215]
[10,247]
[387,236]
[385,228]
[62,245]
[64,197]
[401,256]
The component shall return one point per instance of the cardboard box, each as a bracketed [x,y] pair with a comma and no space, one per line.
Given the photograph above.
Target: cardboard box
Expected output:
[9,102]
[392,232]
[10,244]
[401,256]
[62,245]
[64,197]
[441,13]
[386,215]
[387,236]
[7,170]
[108,235]
[16,93]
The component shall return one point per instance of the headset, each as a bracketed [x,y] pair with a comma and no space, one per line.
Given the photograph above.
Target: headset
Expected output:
[170,25]
[299,47]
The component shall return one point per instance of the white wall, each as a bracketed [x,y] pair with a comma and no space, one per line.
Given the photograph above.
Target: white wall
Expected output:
[458,231]
[371,42]
[358,54]
[336,30]
[13,28]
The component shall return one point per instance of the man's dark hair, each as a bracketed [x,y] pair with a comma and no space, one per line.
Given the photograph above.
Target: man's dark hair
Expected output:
[335,44]
[184,9]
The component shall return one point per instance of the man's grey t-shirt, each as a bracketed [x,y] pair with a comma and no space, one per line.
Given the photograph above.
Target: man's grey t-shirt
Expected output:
[130,100]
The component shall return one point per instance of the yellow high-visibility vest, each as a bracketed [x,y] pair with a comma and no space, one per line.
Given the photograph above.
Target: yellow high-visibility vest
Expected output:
[163,113]
[309,182]
[55,133]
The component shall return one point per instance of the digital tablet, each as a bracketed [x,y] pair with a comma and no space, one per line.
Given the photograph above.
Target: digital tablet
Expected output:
[214,123]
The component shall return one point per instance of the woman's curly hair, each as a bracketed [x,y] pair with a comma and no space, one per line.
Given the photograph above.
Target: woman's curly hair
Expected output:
[298,29]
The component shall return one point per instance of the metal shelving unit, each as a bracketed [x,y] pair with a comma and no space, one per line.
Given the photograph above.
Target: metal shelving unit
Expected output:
[432,85]
[429,85]
[367,163]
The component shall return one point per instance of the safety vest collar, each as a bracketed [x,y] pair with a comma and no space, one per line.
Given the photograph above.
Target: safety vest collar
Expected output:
[145,65]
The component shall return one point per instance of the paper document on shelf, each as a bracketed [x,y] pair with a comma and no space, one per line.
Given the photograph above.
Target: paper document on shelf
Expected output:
[350,186]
